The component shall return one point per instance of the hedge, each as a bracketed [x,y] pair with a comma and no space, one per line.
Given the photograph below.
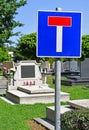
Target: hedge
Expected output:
[75,120]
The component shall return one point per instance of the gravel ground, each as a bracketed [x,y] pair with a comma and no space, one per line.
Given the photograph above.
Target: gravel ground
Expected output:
[36,126]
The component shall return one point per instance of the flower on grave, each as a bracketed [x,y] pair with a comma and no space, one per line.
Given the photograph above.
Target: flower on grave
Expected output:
[5,68]
[12,71]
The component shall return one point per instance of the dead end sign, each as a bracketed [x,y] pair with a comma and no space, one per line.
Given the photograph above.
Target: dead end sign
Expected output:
[59,34]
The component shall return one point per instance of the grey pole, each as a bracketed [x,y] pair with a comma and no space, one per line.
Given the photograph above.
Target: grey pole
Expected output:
[57,90]
[57,94]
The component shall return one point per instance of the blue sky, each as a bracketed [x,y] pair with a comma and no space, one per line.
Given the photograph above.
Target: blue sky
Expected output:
[28,13]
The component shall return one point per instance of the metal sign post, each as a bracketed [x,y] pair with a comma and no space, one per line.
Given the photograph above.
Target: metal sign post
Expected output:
[57,89]
[57,93]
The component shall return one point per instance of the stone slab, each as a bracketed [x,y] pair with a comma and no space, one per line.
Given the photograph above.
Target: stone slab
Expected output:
[46,123]
[3,85]
[75,82]
[7,100]
[50,112]
[49,122]
[35,89]
[24,98]
[83,103]
[3,91]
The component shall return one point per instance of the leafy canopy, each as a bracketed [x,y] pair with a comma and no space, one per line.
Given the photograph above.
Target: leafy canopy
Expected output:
[4,56]
[8,10]
[27,47]
[85,46]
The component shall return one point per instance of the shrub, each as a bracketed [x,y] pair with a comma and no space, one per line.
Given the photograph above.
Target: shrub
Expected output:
[75,120]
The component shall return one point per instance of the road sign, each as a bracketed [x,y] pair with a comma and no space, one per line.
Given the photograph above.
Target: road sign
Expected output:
[59,34]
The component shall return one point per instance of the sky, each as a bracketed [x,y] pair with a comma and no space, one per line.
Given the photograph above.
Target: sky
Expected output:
[28,14]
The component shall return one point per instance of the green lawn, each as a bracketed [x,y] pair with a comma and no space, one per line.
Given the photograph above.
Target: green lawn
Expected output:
[76,92]
[15,117]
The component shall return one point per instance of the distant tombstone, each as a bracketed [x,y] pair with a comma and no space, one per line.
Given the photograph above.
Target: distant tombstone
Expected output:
[62,67]
[43,67]
[74,66]
[84,71]
[82,79]
[47,64]
[66,66]
[8,64]
[53,66]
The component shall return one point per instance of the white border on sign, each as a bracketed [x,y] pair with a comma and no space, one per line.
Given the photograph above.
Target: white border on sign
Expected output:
[60,56]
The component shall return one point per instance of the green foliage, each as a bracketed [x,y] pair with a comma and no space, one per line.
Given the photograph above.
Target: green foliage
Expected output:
[85,46]
[50,81]
[75,120]
[84,49]
[8,10]
[4,56]
[27,47]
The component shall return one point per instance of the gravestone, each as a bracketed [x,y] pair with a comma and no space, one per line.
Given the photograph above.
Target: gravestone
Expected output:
[74,66]
[3,85]
[53,66]
[29,85]
[43,67]
[8,64]
[27,73]
[83,79]
[84,73]
[47,64]
[66,66]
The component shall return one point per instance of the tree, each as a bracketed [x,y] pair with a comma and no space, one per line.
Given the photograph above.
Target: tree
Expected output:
[26,48]
[8,10]
[85,47]
[4,55]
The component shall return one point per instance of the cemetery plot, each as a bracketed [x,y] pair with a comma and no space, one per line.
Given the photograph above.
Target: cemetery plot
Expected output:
[83,79]
[29,85]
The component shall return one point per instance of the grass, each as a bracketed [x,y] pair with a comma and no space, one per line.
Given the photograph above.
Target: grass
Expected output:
[76,92]
[15,117]
[1,73]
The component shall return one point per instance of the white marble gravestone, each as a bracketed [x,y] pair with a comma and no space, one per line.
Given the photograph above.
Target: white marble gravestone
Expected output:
[28,76]
[27,73]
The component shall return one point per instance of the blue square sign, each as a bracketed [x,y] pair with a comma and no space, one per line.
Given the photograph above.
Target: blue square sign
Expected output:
[59,34]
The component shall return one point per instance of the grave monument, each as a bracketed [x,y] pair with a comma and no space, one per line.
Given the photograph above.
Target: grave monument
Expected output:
[27,74]
[82,79]
[29,85]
